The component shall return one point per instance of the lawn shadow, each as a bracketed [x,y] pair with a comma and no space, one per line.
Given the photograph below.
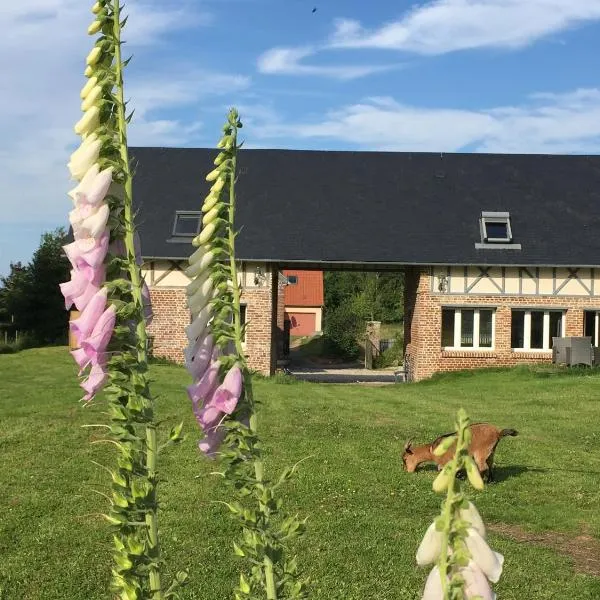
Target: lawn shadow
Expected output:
[508,472]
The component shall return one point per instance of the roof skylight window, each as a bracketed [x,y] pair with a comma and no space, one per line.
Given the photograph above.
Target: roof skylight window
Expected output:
[495,228]
[187,224]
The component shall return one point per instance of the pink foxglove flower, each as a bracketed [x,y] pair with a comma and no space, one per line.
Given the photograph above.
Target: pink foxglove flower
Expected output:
[95,381]
[98,340]
[197,357]
[226,396]
[87,250]
[211,442]
[205,386]
[84,325]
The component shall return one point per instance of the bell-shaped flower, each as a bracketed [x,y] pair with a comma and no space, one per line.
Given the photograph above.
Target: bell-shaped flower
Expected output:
[83,162]
[93,225]
[198,355]
[85,183]
[89,122]
[95,344]
[196,328]
[95,381]
[209,417]
[84,283]
[212,441]
[431,546]
[476,583]
[433,586]
[471,515]
[147,302]
[227,395]
[205,386]
[84,325]
[91,99]
[81,357]
[95,191]
[89,251]
[475,586]
[487,560]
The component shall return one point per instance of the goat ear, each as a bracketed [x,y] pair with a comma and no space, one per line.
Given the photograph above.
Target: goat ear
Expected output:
[407,447]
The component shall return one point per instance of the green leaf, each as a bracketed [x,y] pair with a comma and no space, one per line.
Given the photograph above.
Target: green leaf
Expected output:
[244,586]
[237,550]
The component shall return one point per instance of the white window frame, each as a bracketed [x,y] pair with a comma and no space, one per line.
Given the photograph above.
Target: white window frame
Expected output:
[545,332]
[495,217]
[457,329]
[244,323]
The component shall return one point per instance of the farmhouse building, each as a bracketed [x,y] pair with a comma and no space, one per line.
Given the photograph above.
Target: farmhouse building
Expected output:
[501,253]
[303,300]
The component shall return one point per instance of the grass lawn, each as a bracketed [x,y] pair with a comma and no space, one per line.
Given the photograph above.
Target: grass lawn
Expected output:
[366,516]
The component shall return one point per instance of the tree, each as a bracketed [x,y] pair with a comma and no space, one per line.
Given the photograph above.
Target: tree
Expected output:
[30,297]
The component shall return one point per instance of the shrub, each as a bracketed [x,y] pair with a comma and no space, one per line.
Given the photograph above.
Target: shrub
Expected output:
[343,328]
[393,355]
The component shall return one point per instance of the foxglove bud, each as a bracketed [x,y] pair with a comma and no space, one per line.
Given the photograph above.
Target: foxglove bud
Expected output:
[95,27]
[473,473]
[87,88]
[93,96]
[89,121]
[210,216]
[94,56]
[440,483]
[444,445]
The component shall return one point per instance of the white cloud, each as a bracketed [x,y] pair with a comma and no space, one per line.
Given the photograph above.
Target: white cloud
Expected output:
[39,93]
[448,25]
[288,61]
[544,123]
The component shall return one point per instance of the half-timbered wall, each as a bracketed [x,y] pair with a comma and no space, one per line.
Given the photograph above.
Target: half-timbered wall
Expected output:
[167,282]
[557,298]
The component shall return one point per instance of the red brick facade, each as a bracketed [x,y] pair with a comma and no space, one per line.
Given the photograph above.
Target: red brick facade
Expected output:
[424,354]
[171,316]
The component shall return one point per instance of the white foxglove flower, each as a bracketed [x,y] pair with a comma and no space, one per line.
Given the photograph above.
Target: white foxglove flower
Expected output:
[202,297]
[86,182]
[89,122]
[94,28]
[472,516]
[196,328]
[487,560]
[199,266]
[83,159]
[430,547]
[476,584]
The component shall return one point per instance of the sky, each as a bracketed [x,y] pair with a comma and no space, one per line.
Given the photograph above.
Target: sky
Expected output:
[515,76]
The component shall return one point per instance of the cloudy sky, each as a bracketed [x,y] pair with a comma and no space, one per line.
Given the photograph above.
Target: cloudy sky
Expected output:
[443,75]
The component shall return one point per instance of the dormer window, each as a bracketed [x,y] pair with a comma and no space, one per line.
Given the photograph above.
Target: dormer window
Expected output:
[187,224]
[495,228]
[496,231]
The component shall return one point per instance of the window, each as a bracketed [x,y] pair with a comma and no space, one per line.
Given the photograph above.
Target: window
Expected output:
[495,227]
[471,328]
[591,326]
[186,224]
[534,329]
[292,279]
[243,321]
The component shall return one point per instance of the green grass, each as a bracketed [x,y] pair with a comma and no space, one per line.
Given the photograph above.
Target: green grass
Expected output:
[366,516]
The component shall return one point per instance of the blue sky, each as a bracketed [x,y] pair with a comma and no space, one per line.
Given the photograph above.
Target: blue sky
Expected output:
[444,75]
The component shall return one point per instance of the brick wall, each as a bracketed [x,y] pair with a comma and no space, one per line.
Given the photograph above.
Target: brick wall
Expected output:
[259,330]
[171,316]
[423,326]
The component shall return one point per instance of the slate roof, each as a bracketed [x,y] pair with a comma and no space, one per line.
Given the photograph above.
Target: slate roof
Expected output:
[381,207]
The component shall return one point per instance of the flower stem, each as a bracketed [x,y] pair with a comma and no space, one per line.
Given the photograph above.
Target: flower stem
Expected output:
[447,514]
[134,270]
[258,463]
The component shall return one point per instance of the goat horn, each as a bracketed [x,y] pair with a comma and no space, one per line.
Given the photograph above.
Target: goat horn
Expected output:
[407,445]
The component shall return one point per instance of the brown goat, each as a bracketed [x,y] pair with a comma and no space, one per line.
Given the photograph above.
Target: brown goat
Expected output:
[484,439]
